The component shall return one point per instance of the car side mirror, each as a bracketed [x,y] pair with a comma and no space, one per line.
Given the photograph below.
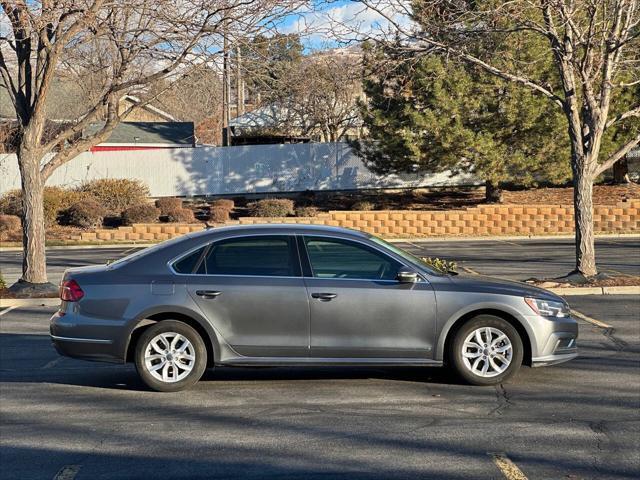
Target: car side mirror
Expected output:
[407,276]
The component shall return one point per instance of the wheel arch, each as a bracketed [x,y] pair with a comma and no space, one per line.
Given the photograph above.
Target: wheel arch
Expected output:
[456,323]
[192,319]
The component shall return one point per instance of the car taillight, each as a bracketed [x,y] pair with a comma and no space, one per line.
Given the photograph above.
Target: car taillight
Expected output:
[70,291]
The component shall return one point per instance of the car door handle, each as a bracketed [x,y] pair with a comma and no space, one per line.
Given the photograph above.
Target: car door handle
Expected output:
[324,296]
[208,293]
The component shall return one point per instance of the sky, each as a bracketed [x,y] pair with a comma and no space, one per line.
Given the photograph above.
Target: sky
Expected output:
[333,23]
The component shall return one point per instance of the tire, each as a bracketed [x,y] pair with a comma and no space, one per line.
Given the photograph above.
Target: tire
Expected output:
[490,365]
[178,353]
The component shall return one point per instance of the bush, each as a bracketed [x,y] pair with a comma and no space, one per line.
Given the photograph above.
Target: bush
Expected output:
[363,205]
[55,200]
[306,211]
[224,203]
[9,224]
[181,215]
[218,214]
[85,214]
[440,265]
[116,194]
[142,213]
[271,207]
[169,204]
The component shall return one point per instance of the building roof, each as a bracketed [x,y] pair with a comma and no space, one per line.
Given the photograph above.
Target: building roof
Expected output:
[148,133]
[267,116]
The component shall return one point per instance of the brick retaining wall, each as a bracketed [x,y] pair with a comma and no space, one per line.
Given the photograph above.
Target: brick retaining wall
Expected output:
[623,217]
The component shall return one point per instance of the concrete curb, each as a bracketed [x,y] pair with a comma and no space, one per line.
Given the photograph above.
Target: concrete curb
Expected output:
[28,302]
[629,290]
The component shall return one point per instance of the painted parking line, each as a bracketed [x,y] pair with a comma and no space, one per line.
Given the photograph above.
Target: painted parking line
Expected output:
[6,310]
[509,470]
[469,270]
[590,320]
[68,472]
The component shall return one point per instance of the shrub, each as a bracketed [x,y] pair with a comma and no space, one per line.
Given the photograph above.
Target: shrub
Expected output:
[271,207]
[9,224]
[363,205]
[218,214]
[55,200]
[3,284]
[224,203]
[440,265]
[180,215]
[116,194]
[85,214]
[142,213]
[168,204]
[306,211]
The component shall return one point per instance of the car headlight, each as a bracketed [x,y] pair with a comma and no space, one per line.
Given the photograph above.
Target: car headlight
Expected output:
[548,308]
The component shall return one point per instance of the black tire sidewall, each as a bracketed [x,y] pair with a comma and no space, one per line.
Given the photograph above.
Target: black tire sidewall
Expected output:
[486,321]
[183,329]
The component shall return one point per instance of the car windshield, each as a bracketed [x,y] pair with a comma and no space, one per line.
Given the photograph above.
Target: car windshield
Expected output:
[406,255]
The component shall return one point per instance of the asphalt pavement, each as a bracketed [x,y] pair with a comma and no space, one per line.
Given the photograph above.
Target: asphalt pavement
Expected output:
[65,418]
[515,259]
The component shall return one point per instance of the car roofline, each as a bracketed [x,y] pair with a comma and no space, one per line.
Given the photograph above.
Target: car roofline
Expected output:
[292,228]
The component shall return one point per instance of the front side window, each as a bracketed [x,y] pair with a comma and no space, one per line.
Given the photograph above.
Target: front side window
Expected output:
[337,258]
[266,256]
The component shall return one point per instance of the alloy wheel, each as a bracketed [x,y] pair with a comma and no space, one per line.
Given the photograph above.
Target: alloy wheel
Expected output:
[487,352]
[169,357]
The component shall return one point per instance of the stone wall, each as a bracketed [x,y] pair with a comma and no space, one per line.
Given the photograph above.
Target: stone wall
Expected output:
[483,220]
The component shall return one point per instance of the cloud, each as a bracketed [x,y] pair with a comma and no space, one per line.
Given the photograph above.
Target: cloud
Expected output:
[351,21]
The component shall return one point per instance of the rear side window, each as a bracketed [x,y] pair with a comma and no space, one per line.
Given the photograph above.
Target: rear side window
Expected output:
[264,256]
[188,264]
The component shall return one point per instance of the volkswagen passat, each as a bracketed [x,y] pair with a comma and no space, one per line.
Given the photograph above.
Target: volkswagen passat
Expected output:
[273,295]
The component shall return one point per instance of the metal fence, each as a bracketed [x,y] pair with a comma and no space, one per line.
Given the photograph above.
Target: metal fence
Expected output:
[231,170]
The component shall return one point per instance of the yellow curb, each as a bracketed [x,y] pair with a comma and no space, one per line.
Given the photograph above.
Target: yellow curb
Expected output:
[626,290]
[590,320]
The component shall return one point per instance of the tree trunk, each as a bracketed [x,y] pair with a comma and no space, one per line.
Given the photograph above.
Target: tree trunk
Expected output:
[621,172]
[583,214]
[493,192]
[34,264]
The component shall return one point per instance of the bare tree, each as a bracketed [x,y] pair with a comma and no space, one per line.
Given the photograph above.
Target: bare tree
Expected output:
[122,45]
[595,47]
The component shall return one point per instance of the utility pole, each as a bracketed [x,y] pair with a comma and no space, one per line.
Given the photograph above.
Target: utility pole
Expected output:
[226,92]
[239,84]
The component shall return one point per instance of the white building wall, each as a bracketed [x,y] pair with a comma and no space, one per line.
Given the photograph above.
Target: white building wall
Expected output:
[230,170]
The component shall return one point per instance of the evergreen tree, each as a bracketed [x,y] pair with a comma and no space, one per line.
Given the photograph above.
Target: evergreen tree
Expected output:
[432,114]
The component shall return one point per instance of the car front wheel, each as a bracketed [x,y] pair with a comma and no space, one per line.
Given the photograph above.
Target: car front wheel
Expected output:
[170,356]
[486,350]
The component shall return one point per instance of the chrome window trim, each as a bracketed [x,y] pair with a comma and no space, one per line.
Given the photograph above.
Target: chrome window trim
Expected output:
[210,243]
[421,277]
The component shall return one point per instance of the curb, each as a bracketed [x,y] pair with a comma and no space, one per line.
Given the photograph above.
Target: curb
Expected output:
[569,291]
[626,290]
[28,302]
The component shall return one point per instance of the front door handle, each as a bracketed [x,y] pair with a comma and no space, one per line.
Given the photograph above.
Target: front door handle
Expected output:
[208,293]
[325,297]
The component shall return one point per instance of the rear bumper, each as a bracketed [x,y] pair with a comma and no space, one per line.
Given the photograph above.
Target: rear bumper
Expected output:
[86,340]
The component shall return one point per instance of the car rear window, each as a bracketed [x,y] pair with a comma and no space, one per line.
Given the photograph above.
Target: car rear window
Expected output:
[188,264]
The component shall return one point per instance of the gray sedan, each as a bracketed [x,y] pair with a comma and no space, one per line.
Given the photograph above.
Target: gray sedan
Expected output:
[271,295]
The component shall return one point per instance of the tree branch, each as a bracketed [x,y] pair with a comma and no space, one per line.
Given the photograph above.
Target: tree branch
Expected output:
[626,148]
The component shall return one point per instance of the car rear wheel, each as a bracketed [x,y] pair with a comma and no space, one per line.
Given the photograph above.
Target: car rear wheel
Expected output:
[170,356]
[487,350]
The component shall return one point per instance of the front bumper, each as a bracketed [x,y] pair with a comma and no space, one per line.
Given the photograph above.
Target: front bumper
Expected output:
[86,338]
[555,340]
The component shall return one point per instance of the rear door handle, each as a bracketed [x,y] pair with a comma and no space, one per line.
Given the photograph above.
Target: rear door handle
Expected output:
[208,293]
[324,296]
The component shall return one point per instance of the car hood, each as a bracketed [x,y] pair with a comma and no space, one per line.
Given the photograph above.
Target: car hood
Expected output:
[482,284]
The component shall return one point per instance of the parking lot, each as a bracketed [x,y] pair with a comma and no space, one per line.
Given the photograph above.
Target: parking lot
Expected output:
[63,418]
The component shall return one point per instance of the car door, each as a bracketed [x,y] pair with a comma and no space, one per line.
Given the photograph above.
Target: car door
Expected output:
[358,308]
[251,290]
